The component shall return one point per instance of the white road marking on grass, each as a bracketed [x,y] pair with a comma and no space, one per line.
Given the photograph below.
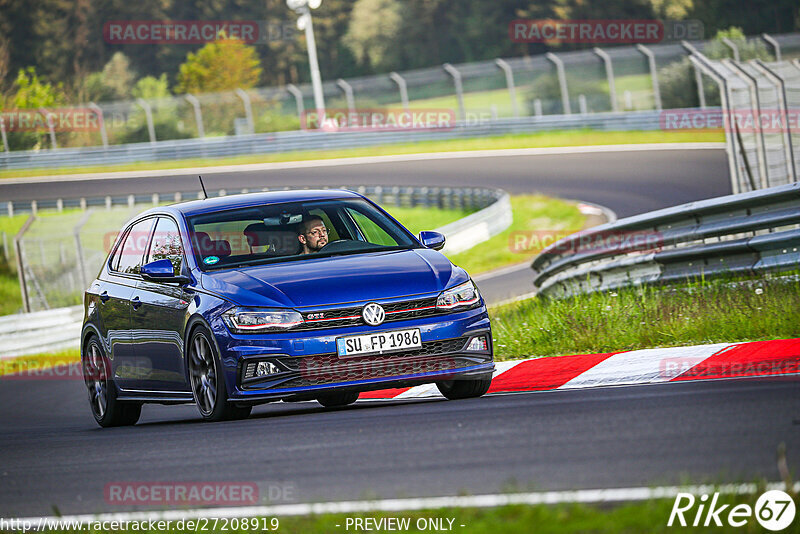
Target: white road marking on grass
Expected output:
[589,496]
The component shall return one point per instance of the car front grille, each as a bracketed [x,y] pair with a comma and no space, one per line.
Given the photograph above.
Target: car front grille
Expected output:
[395,311]
[329,368]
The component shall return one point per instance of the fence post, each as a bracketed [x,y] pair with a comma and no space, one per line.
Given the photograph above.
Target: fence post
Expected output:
[512,92]
[651,62]
[76,232]
[452,71]
[23,288]
[148,113]
[562,82]
[775,45]
[783,103]
[3,134]
[701,94]
[298,100]
[49,120]
[248,110]
[730,44]
[10,208]
[582,107]
[347,89]
[729,140]
[101,119]
[755,106]
[612,89]
[401,84]
[198,114]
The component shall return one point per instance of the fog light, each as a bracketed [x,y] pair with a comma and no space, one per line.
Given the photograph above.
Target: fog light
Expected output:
[478,344]
[266,368]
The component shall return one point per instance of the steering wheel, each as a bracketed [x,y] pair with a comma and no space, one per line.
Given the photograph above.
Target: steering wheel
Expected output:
[332,243]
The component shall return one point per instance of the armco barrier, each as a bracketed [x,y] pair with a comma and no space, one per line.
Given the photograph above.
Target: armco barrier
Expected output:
[746,234]
[214,147]
[38,332]
[59,328]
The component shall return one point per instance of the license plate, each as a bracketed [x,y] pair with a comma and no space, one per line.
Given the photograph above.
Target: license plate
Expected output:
[378,343]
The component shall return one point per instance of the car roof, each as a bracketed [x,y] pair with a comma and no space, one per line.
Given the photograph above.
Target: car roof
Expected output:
[196,207]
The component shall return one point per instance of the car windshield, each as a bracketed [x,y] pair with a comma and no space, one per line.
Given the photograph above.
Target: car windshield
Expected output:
[293,231]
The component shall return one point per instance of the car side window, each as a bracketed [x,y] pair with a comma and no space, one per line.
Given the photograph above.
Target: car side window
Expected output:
[130,253]
[166,244]
[370,229]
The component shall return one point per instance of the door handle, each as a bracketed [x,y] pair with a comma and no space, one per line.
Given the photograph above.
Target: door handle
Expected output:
[136,302]
[104,296]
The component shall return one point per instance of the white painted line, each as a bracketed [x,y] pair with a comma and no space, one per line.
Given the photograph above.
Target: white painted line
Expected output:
[427,156]
[644,366]
[589,496]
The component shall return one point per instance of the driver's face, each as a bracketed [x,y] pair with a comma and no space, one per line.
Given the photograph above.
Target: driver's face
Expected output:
[316,236]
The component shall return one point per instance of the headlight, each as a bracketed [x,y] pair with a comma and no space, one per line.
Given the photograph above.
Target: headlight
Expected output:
[247,321]
[462,296]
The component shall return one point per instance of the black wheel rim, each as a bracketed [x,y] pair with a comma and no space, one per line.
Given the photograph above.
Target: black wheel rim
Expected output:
[95,373]
[203,374]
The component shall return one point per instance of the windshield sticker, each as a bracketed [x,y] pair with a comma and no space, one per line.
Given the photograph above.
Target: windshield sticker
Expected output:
[211,260]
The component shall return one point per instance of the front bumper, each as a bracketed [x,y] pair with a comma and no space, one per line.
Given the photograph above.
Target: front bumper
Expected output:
[308,366]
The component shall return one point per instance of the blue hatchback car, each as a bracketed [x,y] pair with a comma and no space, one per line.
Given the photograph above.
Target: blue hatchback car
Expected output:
[236,301]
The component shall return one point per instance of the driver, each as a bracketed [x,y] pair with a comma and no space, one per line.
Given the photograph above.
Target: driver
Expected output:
[312,234]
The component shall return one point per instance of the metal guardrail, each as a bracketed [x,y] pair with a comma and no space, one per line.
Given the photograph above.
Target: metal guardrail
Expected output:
[269,143]
[746,234]
[39,332]
[59,328]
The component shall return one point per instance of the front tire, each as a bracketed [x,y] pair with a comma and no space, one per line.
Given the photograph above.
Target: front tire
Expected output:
[106,409]
[464,389]
[208,380]
[336,400]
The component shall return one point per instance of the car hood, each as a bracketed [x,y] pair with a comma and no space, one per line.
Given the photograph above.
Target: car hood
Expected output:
[337,279]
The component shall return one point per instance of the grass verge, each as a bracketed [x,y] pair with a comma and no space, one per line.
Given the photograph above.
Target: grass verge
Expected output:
[532,214]
[650,516]
[39,362]
[534,140]
[699,313]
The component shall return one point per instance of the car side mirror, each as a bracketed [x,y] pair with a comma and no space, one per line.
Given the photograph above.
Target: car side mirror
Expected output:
[162,271]
[433,240]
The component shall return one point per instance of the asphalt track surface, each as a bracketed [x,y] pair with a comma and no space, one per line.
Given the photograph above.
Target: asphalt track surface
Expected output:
[627,182]
[53,455]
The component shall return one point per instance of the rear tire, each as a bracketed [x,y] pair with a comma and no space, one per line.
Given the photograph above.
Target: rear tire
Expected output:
[207,379]
[336,400]
[464,389]
[106,409]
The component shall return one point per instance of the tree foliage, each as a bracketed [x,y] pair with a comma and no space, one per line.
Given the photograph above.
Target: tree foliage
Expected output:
[223,65]
[373,32]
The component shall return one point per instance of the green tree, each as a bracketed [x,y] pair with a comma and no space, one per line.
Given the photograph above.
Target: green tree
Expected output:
[223,65]
[114,82]
[33,93]
[374,31]
[151,88]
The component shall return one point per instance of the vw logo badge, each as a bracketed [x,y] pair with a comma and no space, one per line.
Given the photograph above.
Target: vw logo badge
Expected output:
[373,314]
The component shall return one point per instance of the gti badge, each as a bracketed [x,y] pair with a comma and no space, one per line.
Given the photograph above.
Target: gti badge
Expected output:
[373,314]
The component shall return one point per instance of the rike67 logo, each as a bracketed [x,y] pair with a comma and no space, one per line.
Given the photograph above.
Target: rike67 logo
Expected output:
[774,510]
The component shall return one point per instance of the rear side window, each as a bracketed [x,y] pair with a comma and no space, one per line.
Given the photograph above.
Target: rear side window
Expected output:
[128,257]
[166,244]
